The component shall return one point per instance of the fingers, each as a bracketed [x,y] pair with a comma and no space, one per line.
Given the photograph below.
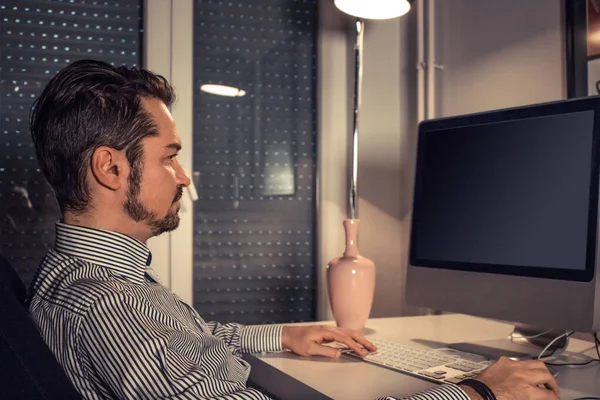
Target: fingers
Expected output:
[553,387]
[362,340]
[308,340]
[316,349]
[546,379]
[543,394]
[534,364]
[341,337]
[537,374]
[358,338]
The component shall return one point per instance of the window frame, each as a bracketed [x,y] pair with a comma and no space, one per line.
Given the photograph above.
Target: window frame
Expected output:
[169,30]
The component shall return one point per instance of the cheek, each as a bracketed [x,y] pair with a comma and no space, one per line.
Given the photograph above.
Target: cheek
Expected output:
[155,196]
[158,188]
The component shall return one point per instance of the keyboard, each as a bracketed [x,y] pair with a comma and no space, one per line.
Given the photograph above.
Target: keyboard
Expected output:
[439,365]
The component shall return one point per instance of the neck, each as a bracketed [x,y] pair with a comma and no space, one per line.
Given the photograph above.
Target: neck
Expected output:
[109,222]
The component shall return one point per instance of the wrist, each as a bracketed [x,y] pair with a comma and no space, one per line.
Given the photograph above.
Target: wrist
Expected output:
[469,391]
[285,333]
[482,390]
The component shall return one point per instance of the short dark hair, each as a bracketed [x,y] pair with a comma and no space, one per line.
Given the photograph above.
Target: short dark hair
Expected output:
[90,104]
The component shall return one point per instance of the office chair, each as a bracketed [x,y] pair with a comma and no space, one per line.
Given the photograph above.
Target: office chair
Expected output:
[28,369]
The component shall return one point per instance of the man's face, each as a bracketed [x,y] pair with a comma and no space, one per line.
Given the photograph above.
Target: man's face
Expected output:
[156,184]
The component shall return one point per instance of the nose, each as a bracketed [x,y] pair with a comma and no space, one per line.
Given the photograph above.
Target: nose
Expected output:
[182,178]
[186,181]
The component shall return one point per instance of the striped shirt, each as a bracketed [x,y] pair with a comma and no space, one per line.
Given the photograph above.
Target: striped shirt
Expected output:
[119,334]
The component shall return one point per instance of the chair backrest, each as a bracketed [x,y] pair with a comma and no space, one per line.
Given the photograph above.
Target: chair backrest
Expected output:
[28,369]
[9,280]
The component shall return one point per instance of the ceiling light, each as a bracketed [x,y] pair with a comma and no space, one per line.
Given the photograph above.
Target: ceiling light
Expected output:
[222,90]
[374,9]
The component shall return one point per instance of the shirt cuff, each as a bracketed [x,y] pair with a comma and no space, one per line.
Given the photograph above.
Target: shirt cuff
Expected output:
[449,392]
[444,392]
[261,338]
[455,392]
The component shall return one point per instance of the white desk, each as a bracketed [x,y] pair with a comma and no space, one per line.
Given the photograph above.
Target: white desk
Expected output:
[287,376]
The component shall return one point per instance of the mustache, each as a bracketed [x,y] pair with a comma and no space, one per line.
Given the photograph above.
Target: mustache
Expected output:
[178,195]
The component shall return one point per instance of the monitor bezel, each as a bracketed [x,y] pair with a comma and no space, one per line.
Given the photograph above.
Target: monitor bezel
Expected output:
[539,110]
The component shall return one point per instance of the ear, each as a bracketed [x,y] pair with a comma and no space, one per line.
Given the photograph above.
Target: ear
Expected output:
[109,167]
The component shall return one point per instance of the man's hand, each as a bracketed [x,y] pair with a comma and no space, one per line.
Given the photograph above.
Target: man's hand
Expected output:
[518,380]
[309,340]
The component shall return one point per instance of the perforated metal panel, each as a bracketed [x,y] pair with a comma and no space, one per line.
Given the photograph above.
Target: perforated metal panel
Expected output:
[37,39]
[255,160]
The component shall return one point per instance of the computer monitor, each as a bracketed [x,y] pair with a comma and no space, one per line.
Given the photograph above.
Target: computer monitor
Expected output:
[505,215]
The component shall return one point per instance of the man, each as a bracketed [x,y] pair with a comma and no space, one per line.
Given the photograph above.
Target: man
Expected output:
[107,144]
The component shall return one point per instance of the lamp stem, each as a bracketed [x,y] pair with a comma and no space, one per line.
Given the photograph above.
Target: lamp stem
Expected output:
[358,58]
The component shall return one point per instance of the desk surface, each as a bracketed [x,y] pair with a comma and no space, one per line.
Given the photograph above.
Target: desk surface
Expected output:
[350,379]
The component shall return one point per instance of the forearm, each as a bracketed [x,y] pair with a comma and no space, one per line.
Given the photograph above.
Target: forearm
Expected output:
[248,394]
[249,339]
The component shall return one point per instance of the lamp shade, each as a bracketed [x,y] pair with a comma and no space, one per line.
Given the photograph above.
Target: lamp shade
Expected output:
[374,9]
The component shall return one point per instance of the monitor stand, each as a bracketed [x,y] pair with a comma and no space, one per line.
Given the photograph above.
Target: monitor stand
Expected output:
[525,342]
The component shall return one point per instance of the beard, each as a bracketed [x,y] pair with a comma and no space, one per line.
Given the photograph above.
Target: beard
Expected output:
[140,213]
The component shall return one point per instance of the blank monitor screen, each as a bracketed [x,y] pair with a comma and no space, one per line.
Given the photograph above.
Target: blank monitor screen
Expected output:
[516,196]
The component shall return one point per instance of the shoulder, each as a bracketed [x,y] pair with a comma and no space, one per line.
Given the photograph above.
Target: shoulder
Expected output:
[73,285]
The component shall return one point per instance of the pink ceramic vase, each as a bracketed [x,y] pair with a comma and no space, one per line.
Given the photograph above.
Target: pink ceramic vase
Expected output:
[351,283]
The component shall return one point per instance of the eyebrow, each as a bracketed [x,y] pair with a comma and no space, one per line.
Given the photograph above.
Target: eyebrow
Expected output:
[175,146]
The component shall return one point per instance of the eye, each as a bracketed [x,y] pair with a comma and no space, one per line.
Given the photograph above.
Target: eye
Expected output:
[172,157]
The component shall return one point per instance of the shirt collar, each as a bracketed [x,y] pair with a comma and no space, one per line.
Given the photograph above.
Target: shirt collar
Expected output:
[121,253]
